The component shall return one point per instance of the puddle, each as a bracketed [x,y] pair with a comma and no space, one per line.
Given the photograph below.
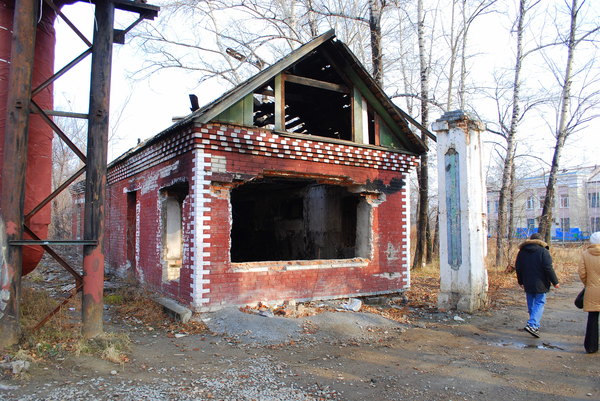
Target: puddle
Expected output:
[518,345]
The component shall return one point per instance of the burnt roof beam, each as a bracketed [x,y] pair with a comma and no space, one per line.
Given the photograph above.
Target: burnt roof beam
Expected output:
[315,83]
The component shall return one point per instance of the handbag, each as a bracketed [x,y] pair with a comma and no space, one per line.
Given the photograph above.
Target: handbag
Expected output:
[579,299]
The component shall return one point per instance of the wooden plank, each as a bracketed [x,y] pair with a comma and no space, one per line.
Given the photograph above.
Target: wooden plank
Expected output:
[248,110]
[378,125]
[357,116]
[386,136]
[279,102]
[365,122]
[315,83]
[361,87]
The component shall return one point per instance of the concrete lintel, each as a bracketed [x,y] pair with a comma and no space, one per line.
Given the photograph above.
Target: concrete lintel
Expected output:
[450,117]
[180,312]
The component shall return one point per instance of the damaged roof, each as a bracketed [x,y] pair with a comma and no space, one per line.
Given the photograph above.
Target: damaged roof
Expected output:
[343,61]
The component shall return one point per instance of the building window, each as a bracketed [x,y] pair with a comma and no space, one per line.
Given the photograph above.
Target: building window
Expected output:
[288,219]
[530,225]
[493,206]
[530,203]
[543,197]
[594,224]
[565,224]
[594,199]
[172,230]
[564,200]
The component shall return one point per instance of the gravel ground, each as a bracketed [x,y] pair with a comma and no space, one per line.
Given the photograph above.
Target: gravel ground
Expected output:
[258,380]
[337,356]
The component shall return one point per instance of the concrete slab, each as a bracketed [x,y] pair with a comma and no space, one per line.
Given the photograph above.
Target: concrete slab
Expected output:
[174,309]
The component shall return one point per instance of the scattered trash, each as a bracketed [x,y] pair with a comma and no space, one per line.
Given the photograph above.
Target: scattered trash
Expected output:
[179,335]
[67,288]
[458,318]
[266,313]
[113,372]
[7,387]
[19,366]
[353,305]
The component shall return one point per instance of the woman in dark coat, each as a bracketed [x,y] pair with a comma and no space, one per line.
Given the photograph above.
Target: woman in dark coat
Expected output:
[589,272]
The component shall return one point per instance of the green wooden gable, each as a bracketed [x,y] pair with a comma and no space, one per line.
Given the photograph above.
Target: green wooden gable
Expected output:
[322,90]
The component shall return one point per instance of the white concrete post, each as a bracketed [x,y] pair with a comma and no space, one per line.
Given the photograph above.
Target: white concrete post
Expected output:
[462,212]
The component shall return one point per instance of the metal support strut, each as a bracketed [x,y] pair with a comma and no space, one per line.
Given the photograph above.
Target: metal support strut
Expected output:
[14,166]
[95,182]
[13,223]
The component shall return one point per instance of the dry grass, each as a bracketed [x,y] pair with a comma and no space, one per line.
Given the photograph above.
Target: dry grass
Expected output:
[134,304]
[425,281]
[111,347]
[58,335]
[61,335]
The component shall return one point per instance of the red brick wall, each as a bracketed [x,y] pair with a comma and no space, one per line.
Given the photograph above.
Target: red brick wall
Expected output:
[155,173]
[213,159]
[231,154]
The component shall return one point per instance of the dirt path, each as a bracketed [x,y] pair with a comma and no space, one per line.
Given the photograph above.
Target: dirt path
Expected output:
[341,356]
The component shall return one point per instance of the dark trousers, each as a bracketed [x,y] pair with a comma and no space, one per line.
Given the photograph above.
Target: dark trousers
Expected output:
[591,333]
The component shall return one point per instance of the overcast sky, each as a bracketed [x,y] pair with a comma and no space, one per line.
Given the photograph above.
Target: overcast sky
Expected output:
[141,109]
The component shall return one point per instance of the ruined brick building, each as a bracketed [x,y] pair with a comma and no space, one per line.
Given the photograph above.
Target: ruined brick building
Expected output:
[293,185]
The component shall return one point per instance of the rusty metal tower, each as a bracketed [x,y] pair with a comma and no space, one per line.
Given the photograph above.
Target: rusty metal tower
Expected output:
[13,220]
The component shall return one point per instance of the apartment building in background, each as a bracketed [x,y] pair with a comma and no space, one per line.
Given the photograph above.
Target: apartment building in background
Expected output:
[576,210]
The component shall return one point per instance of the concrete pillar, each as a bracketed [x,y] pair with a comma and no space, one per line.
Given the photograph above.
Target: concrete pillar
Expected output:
[462,212]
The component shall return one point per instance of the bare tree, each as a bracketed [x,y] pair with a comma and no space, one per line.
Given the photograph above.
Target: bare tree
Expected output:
[423,173]
[233,48]
[457,44]
[509,133]
[375,13]
[574,110]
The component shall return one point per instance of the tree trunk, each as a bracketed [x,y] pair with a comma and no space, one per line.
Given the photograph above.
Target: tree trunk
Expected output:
[545,227]
[423,207]
[436,235]
[429,244]
[511,214]
[312,22]
[453,43]
[463,59]
[375,10]
[510,145]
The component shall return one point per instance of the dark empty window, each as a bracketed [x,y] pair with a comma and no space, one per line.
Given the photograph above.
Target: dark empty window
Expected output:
[172,229]
[286,219]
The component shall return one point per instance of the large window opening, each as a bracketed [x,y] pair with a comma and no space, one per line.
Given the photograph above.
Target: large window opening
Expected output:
[283,219]
[172,229]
